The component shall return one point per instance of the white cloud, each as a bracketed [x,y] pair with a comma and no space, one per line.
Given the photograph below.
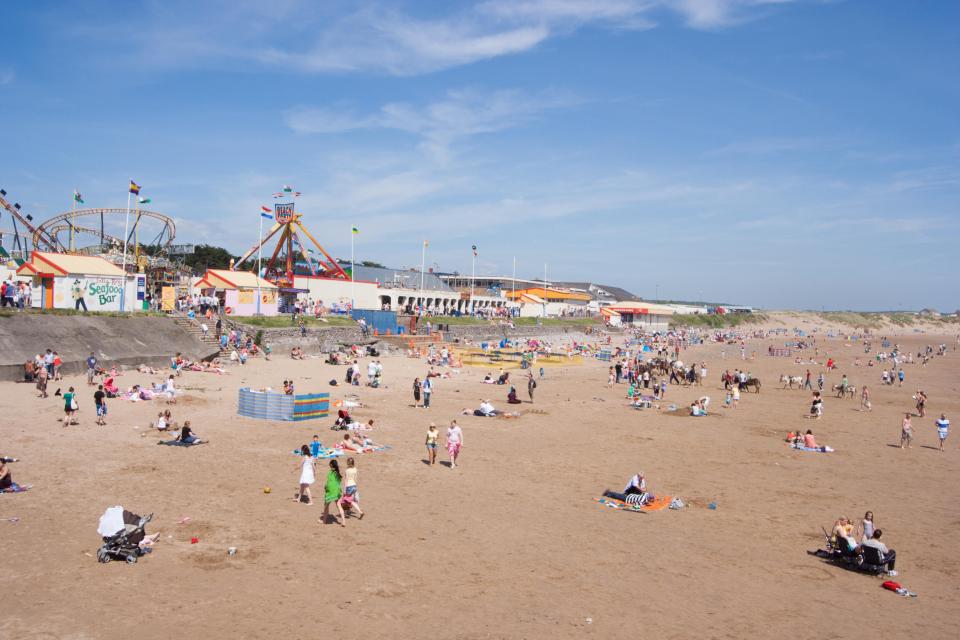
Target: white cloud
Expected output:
[307,37]
[439,124]
[715,14]
[400,45]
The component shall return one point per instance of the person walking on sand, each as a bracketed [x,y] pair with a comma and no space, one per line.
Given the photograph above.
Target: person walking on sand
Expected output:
[350,496]
[332,493]
[70,407]
[865,399]
[921,399]
[99,399]
[432,436]
[307,475]
[416,392]
[454,442]
[807,382]
[427,387]
[906,432]
[943,429]
[531,385]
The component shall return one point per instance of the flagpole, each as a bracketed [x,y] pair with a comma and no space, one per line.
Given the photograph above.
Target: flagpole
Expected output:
[423,257]
[473,276]
[136,237]
[259,260]
[73,218]
[544,290]
[513,283]
[126,230]
[353,302]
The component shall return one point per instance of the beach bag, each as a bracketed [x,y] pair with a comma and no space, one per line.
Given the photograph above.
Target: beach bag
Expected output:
[677,503]
[73,404]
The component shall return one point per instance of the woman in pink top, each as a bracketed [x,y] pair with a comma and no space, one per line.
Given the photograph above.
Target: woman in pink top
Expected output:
[809,440]
[454,442]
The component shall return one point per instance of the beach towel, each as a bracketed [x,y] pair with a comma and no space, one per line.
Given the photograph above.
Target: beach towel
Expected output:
[177,443]
[326,454]
[658,503]
[800,447]
[17,488]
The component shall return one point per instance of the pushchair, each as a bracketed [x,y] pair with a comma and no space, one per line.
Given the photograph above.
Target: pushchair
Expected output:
[122,532]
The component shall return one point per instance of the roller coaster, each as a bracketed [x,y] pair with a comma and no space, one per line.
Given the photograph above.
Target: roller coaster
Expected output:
[50,229]
[59,234]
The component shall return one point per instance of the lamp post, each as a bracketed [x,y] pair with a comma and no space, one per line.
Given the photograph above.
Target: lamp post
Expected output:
[473,275]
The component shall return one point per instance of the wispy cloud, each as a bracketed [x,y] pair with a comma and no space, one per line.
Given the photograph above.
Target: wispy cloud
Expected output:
[717,14]
[439,124]
[304,37]
[373,40]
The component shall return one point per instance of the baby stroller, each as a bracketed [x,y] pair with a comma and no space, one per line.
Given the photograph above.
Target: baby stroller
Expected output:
[122,533]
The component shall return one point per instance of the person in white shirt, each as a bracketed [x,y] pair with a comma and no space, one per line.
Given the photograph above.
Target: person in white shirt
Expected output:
[454,442]
[486,409]
[887,556]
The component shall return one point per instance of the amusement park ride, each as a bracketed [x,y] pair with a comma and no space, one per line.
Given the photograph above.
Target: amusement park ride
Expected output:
[281,265]
[46,235]
[63,234]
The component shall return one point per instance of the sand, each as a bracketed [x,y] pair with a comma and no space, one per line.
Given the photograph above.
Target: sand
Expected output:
[509,545]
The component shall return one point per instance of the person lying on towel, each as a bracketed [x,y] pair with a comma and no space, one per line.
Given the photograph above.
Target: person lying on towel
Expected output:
[634,493]
[486,410]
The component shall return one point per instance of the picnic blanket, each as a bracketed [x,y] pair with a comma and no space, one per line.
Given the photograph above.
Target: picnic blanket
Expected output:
[658,503]
[800,447]
[17,488]
[177,443]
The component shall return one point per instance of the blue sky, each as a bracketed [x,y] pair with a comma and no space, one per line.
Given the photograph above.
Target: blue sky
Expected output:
[780,153]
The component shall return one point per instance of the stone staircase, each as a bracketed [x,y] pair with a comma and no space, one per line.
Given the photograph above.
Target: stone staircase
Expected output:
[192,326]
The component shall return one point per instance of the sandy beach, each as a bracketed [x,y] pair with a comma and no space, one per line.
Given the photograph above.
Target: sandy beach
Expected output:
[511,543]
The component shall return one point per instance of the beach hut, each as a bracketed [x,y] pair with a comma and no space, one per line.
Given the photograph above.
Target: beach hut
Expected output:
[239,291]
[59,280]
[652,317]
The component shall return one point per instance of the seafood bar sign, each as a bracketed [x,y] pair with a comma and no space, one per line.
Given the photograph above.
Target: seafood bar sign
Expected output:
[104,292]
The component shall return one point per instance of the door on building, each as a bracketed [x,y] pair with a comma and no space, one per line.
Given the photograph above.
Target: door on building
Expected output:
[46,286]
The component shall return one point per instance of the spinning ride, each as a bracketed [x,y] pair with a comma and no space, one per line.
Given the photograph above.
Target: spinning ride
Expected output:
[281,265]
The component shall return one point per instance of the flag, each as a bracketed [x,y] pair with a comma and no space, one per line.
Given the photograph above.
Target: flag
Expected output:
[426,243]
[268,216]
[77,197]
[278,195]
[287,188]
[354,230]
[134,188]
[474,251]
[296,194]
[143,200]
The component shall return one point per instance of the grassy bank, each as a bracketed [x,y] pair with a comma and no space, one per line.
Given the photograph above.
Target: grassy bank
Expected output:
[283,322]
[712,321]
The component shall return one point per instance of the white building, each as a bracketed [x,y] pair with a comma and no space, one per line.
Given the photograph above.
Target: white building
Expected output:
[58,278]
